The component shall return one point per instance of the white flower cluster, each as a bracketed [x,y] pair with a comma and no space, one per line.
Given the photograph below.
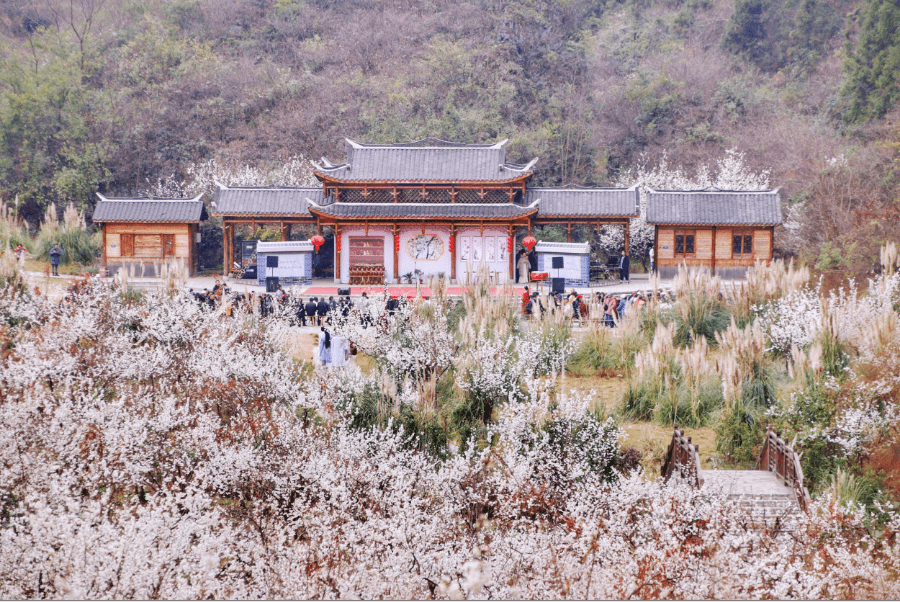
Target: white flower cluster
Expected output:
[792,320]
[149,449]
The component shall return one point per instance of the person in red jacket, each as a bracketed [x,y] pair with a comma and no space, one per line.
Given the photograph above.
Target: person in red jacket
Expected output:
[525,298]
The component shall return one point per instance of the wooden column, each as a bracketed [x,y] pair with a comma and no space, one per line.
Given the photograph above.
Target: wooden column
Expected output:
[627,228]
[569,232]
[103,229]
[283,231]
[337,253]
[394,244]
[713,265]
[511,233]
[190,249]
[771,245]
[226,243]
[656,249]
[453,253]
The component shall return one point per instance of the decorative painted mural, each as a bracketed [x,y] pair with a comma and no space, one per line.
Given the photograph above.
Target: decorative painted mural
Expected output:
[425,247]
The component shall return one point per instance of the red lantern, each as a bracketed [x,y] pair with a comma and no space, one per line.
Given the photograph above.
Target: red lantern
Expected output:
[509,245]
[317,241]
[528,242]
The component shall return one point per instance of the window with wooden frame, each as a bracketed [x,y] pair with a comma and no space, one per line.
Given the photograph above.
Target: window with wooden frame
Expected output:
[742,243]
[684,243]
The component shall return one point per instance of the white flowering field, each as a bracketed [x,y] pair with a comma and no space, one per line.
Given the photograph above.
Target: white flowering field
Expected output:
[154,448]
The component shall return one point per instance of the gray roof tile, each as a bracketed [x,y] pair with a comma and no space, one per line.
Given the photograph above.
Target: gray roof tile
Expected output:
[149,210]
[575,201]
[266,201]
[714,207]
[428,160]
[429,210]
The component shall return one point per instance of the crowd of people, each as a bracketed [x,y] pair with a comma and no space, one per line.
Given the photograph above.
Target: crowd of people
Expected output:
[605,307]
[315,311]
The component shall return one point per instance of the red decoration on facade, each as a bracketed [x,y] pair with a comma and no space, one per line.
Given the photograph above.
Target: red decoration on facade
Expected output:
[451,243]
[337,243]
[397,243]
[509,244]
[528,242]
[317,241]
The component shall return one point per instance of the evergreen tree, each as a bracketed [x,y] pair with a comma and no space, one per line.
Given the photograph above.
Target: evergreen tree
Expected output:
[746,33]
[873,69]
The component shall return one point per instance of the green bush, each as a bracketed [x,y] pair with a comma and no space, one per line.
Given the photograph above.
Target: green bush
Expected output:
[699,315]
[649,399]
[739,434]
[603,350]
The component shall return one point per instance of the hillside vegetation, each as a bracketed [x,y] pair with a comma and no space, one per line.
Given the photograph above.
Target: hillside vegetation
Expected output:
[114,95]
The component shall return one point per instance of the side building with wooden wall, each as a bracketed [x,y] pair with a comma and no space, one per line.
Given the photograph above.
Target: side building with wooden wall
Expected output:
[723,230]
[145,233]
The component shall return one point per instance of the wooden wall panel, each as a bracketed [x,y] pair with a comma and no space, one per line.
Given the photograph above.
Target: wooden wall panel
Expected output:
[117,228]
[113,245]
[762,244]
[182,245]
[145,247]
[703,244]
[666,242]
[723,244]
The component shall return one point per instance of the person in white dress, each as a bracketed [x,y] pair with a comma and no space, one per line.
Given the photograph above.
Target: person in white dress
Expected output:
[340,351]
[325,347]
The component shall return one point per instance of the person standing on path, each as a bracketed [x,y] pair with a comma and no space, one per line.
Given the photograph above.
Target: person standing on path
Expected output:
[526,297]
[322,311]
[624,266]
[55,254]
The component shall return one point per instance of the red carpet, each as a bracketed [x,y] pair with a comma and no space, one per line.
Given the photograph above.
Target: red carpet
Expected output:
[400,291]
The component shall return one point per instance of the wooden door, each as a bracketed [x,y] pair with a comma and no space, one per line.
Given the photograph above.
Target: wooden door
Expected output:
[168,245]
[127,245]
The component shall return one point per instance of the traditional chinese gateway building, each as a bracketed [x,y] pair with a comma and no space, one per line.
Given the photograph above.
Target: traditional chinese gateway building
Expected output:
[432,206]
[426,208]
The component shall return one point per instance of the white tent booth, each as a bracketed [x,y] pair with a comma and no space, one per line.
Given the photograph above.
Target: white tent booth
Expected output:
[292,263]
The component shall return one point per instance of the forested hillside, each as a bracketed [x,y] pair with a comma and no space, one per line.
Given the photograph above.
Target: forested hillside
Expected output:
[112,95]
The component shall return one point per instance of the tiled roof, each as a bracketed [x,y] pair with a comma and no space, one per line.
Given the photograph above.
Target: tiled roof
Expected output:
[714,207]
[265,201]
[429,210]
[562,247]
[575,201]
[149,210]
[429,160]
[290,246]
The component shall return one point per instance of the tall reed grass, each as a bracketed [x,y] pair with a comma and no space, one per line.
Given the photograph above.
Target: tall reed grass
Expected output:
[77,243]
[13,230]
[607,351]
[700,308]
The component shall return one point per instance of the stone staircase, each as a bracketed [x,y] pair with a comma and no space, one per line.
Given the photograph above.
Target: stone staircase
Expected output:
[765,499]
[772,496]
